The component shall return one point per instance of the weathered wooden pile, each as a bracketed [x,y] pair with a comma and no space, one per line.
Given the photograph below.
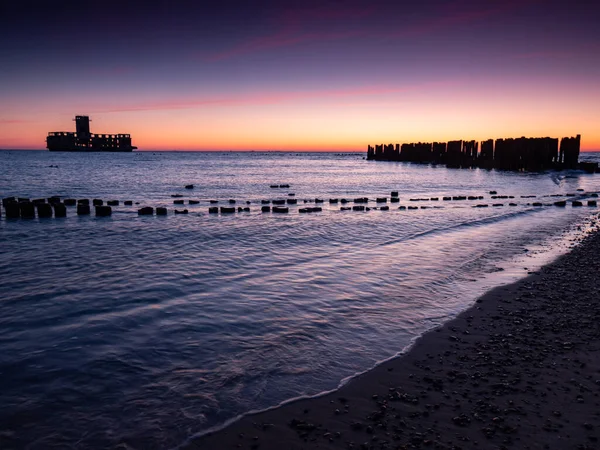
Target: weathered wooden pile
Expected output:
[517,154]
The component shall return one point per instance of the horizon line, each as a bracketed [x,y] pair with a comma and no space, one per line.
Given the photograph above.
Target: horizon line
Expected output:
[220,151]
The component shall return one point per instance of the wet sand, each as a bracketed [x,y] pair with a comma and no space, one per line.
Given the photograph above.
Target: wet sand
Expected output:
[520,369]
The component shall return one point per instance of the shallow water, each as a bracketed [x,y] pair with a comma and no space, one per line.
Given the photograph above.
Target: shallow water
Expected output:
[146,330]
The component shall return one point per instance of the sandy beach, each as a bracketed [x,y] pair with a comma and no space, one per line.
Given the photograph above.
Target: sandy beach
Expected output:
[519,369]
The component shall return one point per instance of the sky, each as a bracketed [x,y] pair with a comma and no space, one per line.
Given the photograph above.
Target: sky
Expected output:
[300,75]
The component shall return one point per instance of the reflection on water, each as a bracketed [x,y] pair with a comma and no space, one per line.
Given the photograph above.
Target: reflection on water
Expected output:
[145,330]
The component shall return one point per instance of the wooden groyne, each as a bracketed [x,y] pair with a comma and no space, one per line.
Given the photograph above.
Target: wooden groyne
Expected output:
[55,206]
[517,154]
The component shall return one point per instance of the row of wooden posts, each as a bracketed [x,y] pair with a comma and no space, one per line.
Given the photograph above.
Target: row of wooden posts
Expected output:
[516,154]
[26,209]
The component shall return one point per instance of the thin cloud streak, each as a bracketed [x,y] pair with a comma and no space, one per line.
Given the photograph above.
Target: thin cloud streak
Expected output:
[549,54]
[282,39]
[13,121]
[292,34]
[293,26]
[274,98]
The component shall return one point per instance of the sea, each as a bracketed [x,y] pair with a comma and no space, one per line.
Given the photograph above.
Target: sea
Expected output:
[141,332]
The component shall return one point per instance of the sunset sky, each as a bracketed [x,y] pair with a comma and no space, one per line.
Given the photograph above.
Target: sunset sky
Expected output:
[272,75]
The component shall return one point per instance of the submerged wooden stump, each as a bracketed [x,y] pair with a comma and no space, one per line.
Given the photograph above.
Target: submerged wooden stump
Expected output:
[60,210]
[83,209]
[7,200]
[103,211]
[27,210]
[13,210]
[44,210]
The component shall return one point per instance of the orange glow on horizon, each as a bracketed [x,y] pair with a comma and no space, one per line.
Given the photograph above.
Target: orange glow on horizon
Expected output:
[344,119]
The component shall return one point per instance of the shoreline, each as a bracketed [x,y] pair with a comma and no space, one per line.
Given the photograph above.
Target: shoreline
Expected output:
[507,372]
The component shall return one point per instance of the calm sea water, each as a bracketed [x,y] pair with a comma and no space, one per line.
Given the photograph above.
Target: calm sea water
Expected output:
[142,331]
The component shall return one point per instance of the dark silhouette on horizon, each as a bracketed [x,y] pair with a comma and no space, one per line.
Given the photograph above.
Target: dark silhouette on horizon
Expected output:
[520,154]
[85,141]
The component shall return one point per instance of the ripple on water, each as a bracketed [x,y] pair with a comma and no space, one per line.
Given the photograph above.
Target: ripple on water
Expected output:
[145,330]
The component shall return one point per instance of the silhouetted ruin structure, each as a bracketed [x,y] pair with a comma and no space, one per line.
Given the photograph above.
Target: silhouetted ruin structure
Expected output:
[516,154]
[84,141]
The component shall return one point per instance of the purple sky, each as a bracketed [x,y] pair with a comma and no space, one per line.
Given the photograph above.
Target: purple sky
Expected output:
[300,75]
